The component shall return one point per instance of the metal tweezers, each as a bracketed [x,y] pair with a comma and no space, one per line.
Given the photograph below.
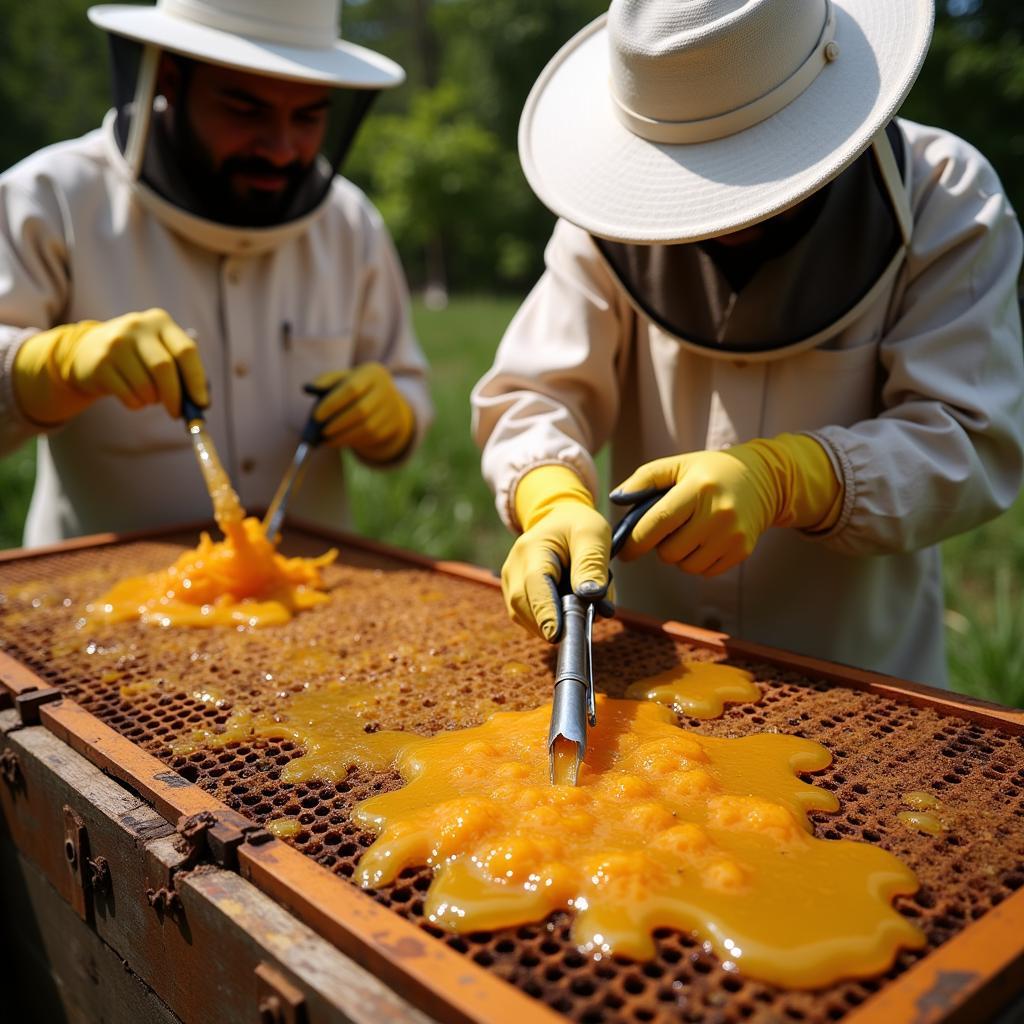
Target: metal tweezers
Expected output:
[312,435]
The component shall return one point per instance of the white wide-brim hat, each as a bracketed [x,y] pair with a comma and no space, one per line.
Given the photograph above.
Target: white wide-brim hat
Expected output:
[297,40]
[674,122]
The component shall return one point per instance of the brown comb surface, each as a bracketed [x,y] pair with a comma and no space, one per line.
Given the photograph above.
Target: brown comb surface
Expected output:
[442,655]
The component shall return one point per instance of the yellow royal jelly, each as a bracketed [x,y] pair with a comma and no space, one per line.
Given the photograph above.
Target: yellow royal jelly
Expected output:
[328,722]
[226,506]
[664,829]
[564,754]
[284,828]
[240,581]
[700,689]
[926,814]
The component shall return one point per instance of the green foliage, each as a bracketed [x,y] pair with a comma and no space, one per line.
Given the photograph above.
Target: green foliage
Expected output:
[972,83]
[501,46]
[439,178]
[54,83]
[985,609]
[17,474]
[444,168]
[985,648]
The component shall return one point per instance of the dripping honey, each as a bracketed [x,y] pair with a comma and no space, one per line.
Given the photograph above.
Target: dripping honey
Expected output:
[239,581]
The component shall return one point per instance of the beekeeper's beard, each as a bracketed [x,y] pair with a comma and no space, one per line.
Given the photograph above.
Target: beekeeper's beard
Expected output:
[218,193]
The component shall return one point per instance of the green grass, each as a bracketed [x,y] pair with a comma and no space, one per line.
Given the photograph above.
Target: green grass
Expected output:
[984,584]
[17,474]
[439,505]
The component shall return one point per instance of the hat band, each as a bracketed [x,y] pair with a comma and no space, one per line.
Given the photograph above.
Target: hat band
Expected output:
[732,121]
[315,37]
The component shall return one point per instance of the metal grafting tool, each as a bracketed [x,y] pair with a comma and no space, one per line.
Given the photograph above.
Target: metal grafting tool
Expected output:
[574,705]
[190,411]
[216,481]
[625,526]
[312,435]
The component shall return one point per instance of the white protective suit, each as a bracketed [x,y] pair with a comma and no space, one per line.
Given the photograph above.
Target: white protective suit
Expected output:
[919,401]
[270,308]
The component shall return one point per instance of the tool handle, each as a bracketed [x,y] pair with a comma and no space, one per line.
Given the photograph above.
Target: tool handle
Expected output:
[627,523]
[313,431]
[190,410]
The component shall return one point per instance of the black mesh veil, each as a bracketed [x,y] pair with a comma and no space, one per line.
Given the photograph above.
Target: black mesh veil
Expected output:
[803,274]
[168,171]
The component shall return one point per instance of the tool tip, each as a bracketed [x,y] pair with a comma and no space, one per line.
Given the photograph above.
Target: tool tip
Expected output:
[565,760]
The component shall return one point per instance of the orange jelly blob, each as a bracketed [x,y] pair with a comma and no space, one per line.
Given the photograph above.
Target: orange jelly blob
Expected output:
[700,689]
[665,828]
[327,722]
[239,581]
[926,815]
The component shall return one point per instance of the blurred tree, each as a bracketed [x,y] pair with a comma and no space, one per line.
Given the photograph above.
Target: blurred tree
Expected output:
[973,83]
[499,47]
[54,83]
[436,174]
[439,155]
[492,52]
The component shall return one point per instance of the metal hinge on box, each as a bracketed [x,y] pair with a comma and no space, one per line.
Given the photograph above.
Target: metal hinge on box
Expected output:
[215,836]
[90,876]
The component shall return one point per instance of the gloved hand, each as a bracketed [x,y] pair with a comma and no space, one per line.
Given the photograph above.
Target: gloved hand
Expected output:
[366,412]
[721,502]
[560,527]
[136,357]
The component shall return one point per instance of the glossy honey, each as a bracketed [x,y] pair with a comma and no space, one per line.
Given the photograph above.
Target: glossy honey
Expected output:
[665,829]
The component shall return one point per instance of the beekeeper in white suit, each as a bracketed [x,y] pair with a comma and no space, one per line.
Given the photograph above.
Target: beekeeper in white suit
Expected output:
[790,311]
[204,231]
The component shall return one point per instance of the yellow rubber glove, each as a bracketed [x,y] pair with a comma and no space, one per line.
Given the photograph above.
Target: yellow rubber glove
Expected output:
[366,412]
[721,502]
[561,528]
[135,357]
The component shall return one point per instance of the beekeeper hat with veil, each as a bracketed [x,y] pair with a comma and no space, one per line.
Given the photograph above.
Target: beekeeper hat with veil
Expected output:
[298,41]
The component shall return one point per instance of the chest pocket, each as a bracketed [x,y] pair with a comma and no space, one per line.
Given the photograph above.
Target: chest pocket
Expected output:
[305,357]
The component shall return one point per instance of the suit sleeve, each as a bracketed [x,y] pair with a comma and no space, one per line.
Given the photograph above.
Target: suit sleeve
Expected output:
[552,395]
[944,453]
[385,332]
[34,286]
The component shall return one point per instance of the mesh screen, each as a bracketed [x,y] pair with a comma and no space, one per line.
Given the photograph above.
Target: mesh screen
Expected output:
[442,655]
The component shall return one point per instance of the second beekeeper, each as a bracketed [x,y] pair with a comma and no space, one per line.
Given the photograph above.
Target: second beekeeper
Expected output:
[789,310]
[204,234]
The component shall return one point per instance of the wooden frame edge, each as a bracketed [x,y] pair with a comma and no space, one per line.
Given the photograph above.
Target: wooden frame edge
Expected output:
[447,985]
[972,976]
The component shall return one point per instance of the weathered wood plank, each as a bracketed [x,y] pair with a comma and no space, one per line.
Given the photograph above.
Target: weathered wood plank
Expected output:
[200,958]
[57,969]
